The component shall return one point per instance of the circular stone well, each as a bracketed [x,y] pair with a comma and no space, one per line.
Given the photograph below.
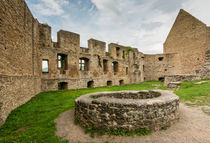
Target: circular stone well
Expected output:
[127,110]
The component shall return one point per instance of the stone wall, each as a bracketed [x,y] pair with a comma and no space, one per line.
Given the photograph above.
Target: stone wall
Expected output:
[188,38]
[69,41]
[127,110]
[128,69]
[15,91]
[19,53]
[204,73]
[160,65]
[174,81]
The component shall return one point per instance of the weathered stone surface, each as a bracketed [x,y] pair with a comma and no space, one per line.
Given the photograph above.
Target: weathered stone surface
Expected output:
[173,81]
[20,75]
[189,38]
[127,110]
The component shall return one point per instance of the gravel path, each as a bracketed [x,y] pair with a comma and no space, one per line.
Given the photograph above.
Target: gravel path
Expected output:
[193,127]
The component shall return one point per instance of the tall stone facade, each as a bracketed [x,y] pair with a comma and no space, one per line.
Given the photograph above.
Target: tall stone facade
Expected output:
[30,62]
[20,75]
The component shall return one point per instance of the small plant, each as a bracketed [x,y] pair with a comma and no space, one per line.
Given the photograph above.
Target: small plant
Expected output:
[76,122]
[90,130]
[45,25]
[93,96]
[165,128]
[101,132]
[124,57]
[128,48]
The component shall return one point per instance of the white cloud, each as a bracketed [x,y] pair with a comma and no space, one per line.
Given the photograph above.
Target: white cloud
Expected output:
[143,24]
[129,23]
[50,7]
[199,8]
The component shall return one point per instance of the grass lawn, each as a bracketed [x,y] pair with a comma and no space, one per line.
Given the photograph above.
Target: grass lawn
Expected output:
[195,94]
[33,122]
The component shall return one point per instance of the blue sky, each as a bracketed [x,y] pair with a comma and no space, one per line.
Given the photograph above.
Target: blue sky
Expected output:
[142,24]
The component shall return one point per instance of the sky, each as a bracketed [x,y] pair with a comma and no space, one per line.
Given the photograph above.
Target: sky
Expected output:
[142,24]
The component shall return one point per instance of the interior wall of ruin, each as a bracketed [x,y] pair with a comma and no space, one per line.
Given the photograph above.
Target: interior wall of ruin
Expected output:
[95,53]
[19,70]
[159,65]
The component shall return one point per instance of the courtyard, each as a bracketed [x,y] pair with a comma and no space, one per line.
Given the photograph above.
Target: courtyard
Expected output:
[48,117]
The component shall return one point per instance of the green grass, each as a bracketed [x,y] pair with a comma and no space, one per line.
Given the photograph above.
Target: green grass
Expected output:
[93,132]
[194,94]
[37,116]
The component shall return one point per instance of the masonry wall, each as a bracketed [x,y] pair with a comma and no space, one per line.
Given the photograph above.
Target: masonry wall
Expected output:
[188,38]
[96,55]
[156,67]
[174,81]
[19,52]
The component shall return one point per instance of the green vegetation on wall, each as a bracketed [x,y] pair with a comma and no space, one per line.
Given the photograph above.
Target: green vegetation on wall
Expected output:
[128,48]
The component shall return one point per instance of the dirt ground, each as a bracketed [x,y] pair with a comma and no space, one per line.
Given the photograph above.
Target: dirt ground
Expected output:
[192,127]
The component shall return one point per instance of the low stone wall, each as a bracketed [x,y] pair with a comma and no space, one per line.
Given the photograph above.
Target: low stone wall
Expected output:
[170,79]
[127,110]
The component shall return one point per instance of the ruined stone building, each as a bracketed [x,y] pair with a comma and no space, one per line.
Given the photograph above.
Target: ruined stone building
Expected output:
[30,62]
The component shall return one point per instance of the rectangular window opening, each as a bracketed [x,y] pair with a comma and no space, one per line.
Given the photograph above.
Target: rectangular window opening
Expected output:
[83,64]
[105,66]
[62,86]
[118,51]
[62,61]
[126,70]
[45,66]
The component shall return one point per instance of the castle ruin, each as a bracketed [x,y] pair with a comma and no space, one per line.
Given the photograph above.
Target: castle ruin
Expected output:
[31,62]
